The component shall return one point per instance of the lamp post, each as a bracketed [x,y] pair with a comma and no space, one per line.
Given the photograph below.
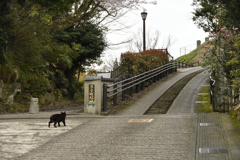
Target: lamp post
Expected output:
[144,17]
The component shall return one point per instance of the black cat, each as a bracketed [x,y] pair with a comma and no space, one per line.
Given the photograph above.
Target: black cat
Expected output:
[57,118]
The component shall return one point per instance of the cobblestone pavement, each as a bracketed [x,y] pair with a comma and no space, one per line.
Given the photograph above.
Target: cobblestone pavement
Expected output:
[211,140]
[19,136]
[165,137]
[173,136]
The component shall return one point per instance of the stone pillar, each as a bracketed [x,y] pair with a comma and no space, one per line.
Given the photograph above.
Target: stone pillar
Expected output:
[198,43]
[34,108]
[93,94]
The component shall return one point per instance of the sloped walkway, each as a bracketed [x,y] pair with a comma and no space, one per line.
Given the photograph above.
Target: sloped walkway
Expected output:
[140,107]
[181,134]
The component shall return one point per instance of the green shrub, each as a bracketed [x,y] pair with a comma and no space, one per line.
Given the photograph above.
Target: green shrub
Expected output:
[35,84]
[135,63]
[76,88]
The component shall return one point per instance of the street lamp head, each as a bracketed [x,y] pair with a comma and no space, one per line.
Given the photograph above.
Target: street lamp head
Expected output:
[144,15]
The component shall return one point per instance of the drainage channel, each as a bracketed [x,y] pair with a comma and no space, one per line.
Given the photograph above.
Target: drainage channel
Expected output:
[163,103]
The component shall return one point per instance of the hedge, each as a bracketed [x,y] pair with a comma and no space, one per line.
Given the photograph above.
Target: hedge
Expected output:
[135,63]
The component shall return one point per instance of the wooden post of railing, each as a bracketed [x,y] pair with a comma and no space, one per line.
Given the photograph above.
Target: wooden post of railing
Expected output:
[173,66]
[154,79]
[137,87]
[123,92]
[115,91]
[164,73]
[160,73]
[131,88]
[149,81]
[111,72]
[176,66]
[142,85]
[104,97]
[167,71]
[146,81]
[158,77]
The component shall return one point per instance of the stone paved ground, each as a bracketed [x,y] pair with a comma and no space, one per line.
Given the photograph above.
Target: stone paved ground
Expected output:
[211,142]
[18,136]
[166,137]
[171,136]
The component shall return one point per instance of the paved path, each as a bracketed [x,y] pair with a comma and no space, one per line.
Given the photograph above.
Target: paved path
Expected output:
[140,107]
[177,135]
[185,101]
[117,138]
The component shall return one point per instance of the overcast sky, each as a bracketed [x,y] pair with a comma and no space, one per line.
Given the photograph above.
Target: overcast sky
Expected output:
[169,17]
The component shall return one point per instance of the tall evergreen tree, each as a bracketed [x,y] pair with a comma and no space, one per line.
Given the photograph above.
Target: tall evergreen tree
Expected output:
[213,14]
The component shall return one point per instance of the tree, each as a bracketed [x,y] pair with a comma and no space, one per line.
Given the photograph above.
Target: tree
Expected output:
[111,63]
[136,44]
[234,62]
[5,33]
[213,14]
[219,17]
[222,57]
[55,38]
[91,43]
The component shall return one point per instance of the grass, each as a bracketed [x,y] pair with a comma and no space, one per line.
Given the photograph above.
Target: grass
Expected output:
[194,56]
[234,116]
[204,107]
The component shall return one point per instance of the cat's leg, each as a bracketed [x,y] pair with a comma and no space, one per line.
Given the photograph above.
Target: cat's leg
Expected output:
[64,122]
[58,124]
[49,123]
[55,124]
